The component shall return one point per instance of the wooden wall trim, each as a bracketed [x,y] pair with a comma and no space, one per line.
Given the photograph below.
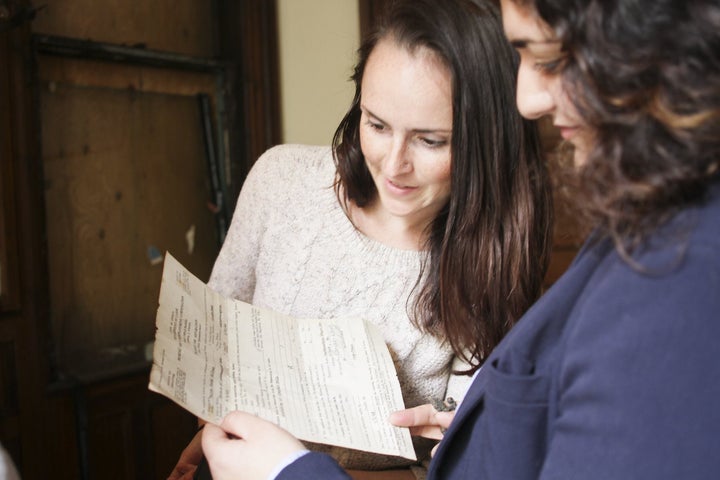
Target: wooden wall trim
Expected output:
[44,419]
[9,288]
[249,39]
[30,323]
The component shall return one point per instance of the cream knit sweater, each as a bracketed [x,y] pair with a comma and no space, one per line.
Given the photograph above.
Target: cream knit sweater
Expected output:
[291,248]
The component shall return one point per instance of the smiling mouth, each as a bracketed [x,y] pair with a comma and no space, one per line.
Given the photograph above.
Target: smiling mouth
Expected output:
[567,132]
[397,186]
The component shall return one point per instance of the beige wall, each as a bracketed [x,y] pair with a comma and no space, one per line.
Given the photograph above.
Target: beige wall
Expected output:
[318,40]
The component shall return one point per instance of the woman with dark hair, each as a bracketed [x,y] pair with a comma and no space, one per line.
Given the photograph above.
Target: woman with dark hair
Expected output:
[438,228]
[613,373]
[488,241]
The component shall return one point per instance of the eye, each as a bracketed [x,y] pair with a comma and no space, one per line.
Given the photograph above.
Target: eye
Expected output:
[550,66]
[377,126]
[432,143]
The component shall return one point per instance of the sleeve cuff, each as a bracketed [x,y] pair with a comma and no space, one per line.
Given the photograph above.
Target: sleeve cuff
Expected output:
[285,462]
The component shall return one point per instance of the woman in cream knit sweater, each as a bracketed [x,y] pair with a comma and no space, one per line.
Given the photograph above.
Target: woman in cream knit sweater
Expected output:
[431,209]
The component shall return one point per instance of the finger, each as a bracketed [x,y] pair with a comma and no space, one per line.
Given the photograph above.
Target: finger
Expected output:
[219,446]
[433,433]
[420,416]
[245,446]
[181,471]
[441,422]
[444,419]
[434,450]
[422,421]
[213,433]
[243,425]
[190,475]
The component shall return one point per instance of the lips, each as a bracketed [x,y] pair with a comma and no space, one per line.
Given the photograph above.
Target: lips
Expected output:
[397,187]
[567,132]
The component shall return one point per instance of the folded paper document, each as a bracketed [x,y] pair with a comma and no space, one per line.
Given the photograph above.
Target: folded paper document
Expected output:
[328,381]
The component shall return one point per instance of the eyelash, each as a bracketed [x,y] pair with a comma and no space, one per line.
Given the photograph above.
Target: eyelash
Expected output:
[551,66]
[375,126]
[379,127]
[433,143]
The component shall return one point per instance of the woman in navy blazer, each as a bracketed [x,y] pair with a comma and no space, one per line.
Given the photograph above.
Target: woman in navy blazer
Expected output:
[614,373]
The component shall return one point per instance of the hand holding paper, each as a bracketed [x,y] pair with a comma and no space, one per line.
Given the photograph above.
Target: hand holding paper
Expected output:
[253,450]
[328,381]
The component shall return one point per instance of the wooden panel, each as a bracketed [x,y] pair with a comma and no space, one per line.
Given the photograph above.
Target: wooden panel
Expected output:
[131,432]
[9,291]
[181,26]
[110,441]
[124,171]
[568,234]
[88,73]
[43,436]
[8,253]
[567,237]
[8,379]
[56,438]
[10,432]
[172,430]
[9,394]
[249,41]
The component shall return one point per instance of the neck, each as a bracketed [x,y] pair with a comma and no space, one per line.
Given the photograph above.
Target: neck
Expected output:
[398,232]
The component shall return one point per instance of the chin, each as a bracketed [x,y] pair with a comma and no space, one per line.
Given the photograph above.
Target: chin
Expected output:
[579,158]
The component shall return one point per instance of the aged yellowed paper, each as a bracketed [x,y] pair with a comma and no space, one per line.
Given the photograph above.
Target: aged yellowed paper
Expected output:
[328,381]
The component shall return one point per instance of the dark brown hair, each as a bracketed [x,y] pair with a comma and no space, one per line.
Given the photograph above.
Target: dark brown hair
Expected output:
[645,76]
[489,246]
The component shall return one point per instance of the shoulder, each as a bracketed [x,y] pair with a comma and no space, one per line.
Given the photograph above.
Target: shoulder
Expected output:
[662,306]
[287,171]
[704,219]
[675,264]
[638,358]
[675,284]
[287,161]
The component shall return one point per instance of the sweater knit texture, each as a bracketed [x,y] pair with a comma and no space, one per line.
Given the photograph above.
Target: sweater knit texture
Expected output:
[291,248]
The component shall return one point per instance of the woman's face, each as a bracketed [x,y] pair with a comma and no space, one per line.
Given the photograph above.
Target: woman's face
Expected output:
[539,90]
[405,130]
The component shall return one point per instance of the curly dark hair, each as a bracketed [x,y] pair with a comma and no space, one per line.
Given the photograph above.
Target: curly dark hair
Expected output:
[489,246]
[645,76]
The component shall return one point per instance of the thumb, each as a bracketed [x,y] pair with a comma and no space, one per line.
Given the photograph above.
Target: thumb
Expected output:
[212,432]
[241,424]
[423,415]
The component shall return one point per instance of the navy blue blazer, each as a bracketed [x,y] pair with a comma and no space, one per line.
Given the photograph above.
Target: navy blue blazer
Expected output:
[613,374]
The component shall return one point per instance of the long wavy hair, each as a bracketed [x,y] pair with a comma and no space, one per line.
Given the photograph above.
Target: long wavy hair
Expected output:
[489,246]
[645,77]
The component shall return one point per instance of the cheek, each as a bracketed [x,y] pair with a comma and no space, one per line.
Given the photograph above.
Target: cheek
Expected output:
[369,146]
[436,171]
[563,102]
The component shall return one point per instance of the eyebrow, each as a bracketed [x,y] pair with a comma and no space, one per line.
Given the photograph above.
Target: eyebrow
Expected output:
[416,130]
[524,42]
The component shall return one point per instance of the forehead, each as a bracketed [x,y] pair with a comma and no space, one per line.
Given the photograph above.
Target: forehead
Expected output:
[392,63]
[521,24]
[389,49]
[410,89]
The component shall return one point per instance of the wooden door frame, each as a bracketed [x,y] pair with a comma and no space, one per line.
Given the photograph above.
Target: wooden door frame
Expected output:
[37,412]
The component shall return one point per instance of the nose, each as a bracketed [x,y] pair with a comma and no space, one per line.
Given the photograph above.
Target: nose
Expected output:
[397,160]
[534,96]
